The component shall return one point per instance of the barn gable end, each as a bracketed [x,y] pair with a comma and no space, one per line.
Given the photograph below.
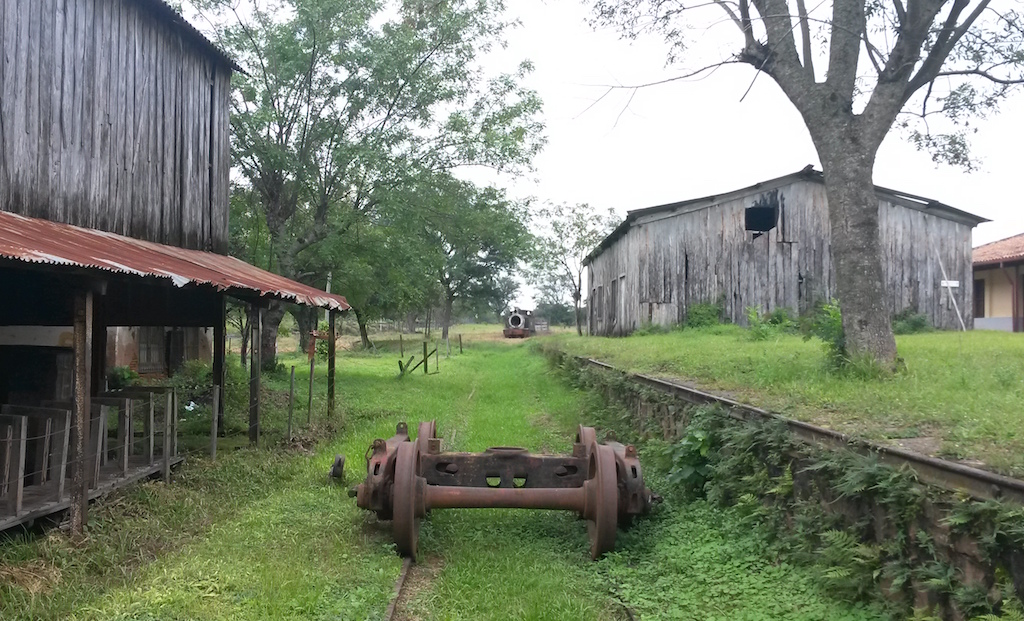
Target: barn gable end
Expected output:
[663,260]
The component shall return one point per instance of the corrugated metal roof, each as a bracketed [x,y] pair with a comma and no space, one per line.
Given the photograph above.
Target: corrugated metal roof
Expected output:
[40,241]
[1004,250]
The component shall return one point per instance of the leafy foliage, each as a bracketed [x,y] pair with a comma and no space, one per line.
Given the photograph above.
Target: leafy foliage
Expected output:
[121,377]
[704,314]
[569,234]
[909,322]
[764,326]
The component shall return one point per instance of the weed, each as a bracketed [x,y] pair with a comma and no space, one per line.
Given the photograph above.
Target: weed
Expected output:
[909,322]
[121,377]
[704,314]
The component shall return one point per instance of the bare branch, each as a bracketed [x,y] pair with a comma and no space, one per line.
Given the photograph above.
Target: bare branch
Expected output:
[947,39]
[805,34]
[981,73]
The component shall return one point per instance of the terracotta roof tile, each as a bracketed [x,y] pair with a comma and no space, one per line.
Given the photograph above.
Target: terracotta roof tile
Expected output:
[1009,249]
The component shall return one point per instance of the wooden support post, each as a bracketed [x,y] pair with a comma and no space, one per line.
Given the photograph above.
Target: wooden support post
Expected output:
[460,342]
[62,463]
[309,408]
[254,375]
[82,411]
[332,347]
[151,430]
[219,359]
[401,346]
[100,457]
[17,446]
[291,403]
[174,425]
[214,422]
[129,406]
[168,414]
[425,365]
[122,437]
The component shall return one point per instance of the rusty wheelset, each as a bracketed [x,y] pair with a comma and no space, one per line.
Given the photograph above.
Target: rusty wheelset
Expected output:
[405,480]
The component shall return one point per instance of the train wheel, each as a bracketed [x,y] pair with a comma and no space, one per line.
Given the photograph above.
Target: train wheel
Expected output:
[405,523]
[602,501]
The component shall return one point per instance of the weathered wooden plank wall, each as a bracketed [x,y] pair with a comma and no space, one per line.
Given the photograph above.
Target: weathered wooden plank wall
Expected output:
[110,119]
[668,261]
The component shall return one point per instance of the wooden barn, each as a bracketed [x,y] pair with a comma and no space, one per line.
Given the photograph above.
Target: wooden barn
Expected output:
[114,175]
[767,246]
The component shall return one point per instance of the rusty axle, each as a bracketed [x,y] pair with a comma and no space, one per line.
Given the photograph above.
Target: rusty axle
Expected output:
[405,480]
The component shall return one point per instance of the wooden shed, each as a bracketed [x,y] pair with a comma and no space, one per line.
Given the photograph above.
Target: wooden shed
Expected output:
[767,246]
[114,179]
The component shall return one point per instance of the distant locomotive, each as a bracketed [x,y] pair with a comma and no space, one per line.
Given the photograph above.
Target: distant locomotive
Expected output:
[519,324]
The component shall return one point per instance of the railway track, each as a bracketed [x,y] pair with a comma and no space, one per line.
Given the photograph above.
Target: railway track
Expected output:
[950,475]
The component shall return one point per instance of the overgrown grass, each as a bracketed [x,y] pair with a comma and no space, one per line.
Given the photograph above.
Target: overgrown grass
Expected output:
[261,534]
[959,396]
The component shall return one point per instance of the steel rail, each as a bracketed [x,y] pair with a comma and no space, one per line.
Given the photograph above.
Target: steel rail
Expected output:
[931,470]
[389,614]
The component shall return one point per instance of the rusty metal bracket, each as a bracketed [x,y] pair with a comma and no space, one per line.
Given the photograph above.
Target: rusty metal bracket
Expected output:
[405,480]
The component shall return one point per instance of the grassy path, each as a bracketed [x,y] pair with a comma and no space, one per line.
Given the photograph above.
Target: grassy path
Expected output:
[262,535]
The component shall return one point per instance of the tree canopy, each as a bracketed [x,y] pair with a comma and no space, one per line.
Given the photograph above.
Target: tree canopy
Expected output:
[572,232]
[344,103]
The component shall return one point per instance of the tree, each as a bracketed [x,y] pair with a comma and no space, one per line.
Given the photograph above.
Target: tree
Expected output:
[480,236]
[346,100]
[573,232]
[885,60]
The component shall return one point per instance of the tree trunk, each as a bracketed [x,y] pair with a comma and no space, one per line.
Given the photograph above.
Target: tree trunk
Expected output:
[857,254]
[306,319]
[364,336]
[410,323]
[245,332]
[446,316]
[272,317]
[576,295]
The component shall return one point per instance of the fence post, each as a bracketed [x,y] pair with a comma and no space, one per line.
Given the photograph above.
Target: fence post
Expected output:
[213,422]
[309,408]
[332,352]
[460,342]
[291,403]
[401,346]
[168,413]
[437,357]
[425,357]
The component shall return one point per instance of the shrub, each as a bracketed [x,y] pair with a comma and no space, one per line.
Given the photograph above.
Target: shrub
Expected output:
[650,328]
[704,314]
[121,377]
[767,325]
[826,323]
[194,381]
[908,322]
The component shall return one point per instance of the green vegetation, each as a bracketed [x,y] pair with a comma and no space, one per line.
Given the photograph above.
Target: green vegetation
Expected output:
[260,534]
[866,530]
[958,396]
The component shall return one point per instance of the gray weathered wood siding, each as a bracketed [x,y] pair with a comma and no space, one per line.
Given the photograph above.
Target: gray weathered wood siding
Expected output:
[111,119]
[667,261]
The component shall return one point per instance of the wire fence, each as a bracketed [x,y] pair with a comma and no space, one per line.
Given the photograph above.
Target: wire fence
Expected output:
[136,431]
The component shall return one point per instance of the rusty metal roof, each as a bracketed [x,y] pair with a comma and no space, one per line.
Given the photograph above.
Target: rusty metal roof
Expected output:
[40,241]
[1002,251]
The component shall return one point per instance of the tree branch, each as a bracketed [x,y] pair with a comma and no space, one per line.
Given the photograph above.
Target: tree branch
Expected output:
[805,34]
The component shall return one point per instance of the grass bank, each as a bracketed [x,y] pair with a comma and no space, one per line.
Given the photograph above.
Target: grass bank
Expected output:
[959,396]
[261,534]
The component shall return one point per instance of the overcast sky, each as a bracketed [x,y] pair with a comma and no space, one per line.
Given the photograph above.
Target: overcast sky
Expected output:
[695,138]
